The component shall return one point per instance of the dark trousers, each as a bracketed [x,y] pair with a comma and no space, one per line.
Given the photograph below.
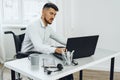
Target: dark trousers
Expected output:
[69,77]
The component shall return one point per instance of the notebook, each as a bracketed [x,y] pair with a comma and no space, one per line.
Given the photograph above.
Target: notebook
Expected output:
[83,46]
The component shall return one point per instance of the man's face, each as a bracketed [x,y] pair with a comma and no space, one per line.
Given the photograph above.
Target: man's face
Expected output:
[49,15]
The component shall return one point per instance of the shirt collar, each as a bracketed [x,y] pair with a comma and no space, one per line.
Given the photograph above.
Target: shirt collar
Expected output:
[43,23]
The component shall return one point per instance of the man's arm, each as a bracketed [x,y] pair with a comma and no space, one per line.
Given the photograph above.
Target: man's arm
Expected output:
[58,38]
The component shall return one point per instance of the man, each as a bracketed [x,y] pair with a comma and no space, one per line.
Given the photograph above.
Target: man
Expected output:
[39,32]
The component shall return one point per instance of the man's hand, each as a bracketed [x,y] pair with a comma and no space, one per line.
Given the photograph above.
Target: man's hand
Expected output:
[60,50]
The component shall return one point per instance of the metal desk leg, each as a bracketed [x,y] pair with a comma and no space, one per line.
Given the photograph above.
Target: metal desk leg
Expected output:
[12,75]
[112,68]
[80,75]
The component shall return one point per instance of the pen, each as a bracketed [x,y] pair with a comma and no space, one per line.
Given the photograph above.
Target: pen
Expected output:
[72,54]
[64,56]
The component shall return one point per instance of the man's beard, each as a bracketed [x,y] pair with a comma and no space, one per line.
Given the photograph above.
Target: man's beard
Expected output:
[47,21]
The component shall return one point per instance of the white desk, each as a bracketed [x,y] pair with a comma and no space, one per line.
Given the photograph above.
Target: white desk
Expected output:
[23,65]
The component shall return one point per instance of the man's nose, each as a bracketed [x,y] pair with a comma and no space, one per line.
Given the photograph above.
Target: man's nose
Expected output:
[53,15]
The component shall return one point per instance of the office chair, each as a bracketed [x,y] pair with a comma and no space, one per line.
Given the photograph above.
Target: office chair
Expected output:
[18,39]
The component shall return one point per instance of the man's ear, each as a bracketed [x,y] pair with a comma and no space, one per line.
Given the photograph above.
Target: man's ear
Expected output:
[43,12]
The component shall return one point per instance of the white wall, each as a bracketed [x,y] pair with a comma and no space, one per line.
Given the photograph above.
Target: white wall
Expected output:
[2,56]
[89,17]
[2,50]
[97,17]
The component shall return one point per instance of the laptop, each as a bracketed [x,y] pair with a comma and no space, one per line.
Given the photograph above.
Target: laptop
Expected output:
[83,46]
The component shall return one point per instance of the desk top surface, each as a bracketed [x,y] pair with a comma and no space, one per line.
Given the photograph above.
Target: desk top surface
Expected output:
[23,65]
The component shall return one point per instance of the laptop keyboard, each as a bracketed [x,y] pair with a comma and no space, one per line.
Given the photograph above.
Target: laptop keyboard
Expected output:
[59,56]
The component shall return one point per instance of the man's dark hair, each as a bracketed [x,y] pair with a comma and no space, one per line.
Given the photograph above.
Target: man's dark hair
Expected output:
[50,5]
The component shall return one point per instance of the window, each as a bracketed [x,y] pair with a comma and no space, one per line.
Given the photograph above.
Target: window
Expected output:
[32,9]
[21,11]
[11,11]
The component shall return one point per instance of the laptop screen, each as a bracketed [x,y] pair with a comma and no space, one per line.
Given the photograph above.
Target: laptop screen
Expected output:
[83,46]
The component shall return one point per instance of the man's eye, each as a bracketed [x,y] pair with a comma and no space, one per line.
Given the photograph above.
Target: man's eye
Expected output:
[51,13]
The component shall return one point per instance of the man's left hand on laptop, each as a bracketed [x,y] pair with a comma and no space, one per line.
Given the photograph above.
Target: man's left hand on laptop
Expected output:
[60,50]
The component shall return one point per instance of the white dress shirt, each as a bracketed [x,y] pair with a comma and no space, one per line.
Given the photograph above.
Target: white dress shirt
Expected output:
[37,38]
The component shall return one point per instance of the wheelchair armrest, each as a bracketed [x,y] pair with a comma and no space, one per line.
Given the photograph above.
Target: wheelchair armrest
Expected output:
[21,55]
[26,54]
